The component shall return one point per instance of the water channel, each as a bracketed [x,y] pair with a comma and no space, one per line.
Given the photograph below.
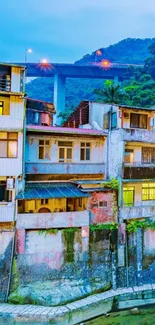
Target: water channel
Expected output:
[145,316]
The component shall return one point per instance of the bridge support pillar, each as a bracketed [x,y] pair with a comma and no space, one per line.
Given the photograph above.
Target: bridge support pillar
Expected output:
[59,98]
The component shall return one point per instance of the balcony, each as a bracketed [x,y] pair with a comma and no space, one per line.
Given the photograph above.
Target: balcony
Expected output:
[64,168]
[53,220]
[6,212]
[10,123]
[136,212]
[10,166]
[5,85]
[138,135]
[139,170]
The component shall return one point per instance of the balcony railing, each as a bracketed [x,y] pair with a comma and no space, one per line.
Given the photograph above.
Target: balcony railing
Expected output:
[53,220]
[136,212]
[64,168]
[5,85]
[138,135]
[138,170]
[6,212]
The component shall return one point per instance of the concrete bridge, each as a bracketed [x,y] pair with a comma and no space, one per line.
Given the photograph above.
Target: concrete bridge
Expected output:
[62,71]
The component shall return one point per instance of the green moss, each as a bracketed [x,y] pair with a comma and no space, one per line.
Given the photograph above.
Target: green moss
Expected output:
[69,234]
[15,276]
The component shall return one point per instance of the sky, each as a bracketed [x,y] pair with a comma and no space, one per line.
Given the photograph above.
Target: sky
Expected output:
[66,30]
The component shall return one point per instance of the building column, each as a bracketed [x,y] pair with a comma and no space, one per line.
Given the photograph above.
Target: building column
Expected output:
[59,97]
[139,256]
[85,242]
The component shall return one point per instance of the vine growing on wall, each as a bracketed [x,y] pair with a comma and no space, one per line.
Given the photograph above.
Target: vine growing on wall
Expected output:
[50,231]
[104,226]
[132,226]
[112,184]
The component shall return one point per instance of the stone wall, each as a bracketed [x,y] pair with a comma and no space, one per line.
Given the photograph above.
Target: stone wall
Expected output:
[6,241]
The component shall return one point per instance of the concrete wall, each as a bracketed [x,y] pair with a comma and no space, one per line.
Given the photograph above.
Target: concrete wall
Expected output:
[62,255]
[6,240]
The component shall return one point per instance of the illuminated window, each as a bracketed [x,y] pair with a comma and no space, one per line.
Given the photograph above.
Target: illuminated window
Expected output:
[44,201]
[8,144]
[85,151]
[65,151]
[128,196]
[1,108]
[138,121]
[44,149]
[148,155]
[148,191]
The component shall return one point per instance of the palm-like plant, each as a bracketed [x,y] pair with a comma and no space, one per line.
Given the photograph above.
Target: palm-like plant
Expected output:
[111,94]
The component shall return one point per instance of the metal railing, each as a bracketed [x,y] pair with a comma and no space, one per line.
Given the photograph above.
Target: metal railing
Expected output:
[5,85]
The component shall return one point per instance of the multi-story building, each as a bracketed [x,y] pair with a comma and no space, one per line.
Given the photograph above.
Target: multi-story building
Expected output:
[11,160]
[131,151]
[131,160]
[11,137]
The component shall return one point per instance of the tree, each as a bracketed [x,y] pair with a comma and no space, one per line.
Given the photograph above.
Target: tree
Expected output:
[111,94]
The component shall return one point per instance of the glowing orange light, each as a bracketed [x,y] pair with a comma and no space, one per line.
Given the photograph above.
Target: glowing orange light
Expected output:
[105,63]
[44,61]
[99,52]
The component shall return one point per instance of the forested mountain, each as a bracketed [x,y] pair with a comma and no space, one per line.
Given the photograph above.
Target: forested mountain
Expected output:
[140,91]
[129,50]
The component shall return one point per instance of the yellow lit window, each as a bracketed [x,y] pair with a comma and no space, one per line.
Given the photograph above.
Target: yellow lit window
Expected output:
[1,108]
[8,145]
[148,191]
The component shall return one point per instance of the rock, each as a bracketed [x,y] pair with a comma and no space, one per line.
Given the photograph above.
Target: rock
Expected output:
[107,315]
[135,311]
[55,293]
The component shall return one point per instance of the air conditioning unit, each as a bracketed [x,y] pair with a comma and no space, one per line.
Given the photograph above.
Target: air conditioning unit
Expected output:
[9,184]
[126,115]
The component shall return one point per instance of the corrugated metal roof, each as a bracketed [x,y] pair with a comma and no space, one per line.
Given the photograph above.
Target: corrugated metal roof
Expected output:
[50,190]
[137,108]
[54,129]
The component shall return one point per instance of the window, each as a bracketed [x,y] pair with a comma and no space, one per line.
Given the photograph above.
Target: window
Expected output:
[148,155]
[44,149]
[114,120]
[80,202]
[85,151]
[8,145]
[44,201]
[102,204]
[138,121]
[128,196]
[148,191]
[1,108]
[128,156]
[65,151]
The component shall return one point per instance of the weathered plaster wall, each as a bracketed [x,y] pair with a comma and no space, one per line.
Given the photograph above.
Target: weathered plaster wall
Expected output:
[6,240]
[104,214]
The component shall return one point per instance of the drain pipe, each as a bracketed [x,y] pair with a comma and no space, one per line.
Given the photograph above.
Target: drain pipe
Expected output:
[12,252]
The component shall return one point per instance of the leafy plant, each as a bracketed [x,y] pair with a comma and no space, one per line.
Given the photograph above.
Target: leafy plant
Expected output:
[107,226]
[112,184]
[134,225]
[45,232]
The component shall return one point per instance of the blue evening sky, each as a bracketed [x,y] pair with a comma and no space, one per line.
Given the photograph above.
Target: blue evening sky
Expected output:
[65,30]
